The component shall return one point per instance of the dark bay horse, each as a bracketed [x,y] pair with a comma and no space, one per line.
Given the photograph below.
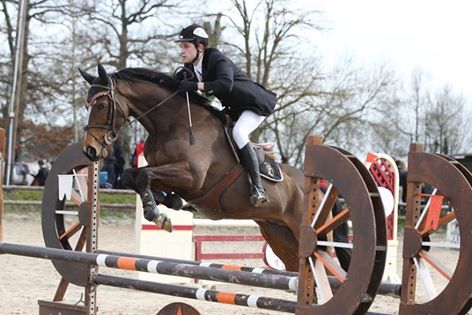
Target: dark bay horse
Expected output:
[176,165]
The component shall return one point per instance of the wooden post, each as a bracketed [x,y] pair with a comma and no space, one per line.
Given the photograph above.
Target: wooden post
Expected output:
[413,200]
[92,234]
[2,159]
[306,280]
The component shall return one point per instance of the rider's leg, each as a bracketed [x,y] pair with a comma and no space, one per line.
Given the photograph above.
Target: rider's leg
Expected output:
[247,123]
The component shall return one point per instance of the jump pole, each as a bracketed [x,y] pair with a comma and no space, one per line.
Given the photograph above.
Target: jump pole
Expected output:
[280,282]
[128,263]
[385,288]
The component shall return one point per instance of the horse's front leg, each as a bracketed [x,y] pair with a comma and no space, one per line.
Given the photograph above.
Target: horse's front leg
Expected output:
[170,200]
[164,177]
[150,198]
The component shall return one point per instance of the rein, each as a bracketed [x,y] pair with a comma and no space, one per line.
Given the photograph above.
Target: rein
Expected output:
[112,133]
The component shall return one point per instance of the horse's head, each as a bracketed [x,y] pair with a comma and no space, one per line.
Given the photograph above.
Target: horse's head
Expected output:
[106,114]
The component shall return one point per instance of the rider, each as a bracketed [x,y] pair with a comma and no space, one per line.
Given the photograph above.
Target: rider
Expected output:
[247,102]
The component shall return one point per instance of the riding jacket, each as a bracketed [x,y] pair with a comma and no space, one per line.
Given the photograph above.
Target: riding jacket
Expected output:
[231,86]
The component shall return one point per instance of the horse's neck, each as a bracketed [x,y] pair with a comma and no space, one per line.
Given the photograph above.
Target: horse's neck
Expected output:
[170,122]
[159,116]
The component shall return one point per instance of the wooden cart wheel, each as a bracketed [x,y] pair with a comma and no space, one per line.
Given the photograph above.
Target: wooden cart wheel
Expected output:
[63,221]
[423,250]
[348,179]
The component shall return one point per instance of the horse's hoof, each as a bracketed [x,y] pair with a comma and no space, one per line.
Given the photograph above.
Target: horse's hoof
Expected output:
[159,196]
[190,208]
[173,201]
[164,222]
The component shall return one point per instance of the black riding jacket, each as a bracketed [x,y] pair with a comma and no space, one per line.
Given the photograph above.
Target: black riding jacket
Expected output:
[231,86]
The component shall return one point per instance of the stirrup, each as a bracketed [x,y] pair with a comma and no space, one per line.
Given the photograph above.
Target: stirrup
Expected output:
[258,197]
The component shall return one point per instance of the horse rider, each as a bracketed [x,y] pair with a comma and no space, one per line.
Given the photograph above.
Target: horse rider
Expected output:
[246,102]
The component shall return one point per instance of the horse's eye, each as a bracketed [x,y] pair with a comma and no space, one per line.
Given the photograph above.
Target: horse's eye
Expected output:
[101,106]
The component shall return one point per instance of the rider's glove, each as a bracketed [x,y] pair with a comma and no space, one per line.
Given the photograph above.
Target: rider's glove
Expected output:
[188,86]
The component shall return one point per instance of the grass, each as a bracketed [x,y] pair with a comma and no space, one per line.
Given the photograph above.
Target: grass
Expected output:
[29,195]
[37,195]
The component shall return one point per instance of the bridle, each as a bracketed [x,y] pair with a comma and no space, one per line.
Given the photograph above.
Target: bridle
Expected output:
[114,104]
[110,125]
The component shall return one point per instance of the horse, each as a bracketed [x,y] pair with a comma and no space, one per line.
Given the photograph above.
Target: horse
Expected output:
[26,173]
[188,162]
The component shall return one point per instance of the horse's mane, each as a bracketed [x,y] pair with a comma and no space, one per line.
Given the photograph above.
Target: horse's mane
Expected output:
[162,79]
[144,74]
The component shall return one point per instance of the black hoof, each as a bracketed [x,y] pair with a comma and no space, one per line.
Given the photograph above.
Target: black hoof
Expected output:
[190,208]
[173,201]
[159,196]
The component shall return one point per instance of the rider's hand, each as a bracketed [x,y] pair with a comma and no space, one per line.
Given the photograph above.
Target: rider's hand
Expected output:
[188,86]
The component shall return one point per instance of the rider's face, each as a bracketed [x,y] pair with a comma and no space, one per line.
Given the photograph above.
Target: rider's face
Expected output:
[188,52]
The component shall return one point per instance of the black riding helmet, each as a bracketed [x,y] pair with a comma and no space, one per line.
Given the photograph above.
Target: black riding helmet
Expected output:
[193,33]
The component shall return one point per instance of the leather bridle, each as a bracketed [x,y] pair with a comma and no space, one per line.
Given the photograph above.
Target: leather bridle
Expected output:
[110,125]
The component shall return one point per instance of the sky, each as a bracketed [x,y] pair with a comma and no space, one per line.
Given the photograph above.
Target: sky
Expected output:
[434,36]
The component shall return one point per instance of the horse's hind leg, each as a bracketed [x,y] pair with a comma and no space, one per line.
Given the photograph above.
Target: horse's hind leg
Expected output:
[282,241]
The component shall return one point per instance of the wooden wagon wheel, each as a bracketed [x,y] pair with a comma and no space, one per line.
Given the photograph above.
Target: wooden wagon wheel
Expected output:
[348,178]
[63,222]
[452,185]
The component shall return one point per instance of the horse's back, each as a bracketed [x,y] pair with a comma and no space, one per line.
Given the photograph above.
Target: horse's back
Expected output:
[295,174]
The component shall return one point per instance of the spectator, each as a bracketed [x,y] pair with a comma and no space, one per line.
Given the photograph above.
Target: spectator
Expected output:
[137,152]
[402,179]
[108,166]
[118,163]
[42,175]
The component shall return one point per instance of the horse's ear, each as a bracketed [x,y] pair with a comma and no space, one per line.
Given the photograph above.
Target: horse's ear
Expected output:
[102,73]
[87,77]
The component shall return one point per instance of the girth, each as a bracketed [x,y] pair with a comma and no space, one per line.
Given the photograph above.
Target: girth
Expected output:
[212,198]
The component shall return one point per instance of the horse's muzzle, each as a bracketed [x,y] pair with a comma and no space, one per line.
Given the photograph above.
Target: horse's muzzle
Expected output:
[91,153]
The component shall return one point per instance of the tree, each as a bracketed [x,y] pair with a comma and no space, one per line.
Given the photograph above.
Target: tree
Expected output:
[446,125]
[124,36]
[333,103]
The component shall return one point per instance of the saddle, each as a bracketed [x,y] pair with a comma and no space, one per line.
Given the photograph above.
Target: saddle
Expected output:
[268,168]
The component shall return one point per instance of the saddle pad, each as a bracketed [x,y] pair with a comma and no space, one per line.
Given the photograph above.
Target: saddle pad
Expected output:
[270,170]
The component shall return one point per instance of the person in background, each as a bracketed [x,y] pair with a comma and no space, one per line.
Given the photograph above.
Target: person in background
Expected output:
[118,163]
[40,178]
[108,166]
[137,152]
[402,174]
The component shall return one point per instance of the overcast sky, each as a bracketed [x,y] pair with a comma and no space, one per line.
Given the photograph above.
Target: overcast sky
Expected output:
[434,36]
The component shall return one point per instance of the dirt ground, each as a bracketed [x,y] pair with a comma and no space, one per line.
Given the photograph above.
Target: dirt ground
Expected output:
[25,280]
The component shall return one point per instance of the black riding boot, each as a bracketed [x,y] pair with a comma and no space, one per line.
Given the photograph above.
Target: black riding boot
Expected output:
[249,161]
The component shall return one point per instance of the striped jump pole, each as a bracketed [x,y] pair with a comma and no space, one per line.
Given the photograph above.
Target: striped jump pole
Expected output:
[385,288]
[130,263]
[198,293]
[154,266]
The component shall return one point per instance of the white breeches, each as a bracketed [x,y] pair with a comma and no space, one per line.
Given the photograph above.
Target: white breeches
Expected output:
[247,123]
